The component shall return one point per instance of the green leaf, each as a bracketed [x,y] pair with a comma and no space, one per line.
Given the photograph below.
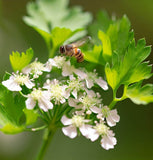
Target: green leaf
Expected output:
[116,30]
[140,95]
[11,106]
[19,61]
[120,35]
[46,36]
[102,22]
[12,128]
[58,37]
[95,55]
[107,51]
[141,72]
[46,15]
[12,114]
[112,76]
[129,69]
[100,54]
[31,116]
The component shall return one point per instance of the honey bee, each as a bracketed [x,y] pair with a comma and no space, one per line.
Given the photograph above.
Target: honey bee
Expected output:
[73,50]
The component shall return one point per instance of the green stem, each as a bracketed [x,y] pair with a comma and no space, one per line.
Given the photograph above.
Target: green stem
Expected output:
[115,100]
[51,52]
[113,103]
[48,135]
[36,129]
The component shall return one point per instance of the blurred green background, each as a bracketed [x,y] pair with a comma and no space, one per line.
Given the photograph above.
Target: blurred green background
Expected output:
[135,130]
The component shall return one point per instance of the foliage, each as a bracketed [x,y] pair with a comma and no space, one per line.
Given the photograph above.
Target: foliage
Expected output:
[46,15]
[19,61]
[12,111]
[59,91]
[126,65]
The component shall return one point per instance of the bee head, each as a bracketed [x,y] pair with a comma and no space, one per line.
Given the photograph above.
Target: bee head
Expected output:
[62,49]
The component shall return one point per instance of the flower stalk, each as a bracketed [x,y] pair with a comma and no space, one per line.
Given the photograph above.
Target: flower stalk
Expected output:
[48,136]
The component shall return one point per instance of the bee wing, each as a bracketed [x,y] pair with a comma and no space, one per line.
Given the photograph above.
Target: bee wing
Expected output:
[81,42]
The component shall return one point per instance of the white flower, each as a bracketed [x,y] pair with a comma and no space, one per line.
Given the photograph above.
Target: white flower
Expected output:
[43,98]
[58,92]
[111,115]
[57,61]
[15,80]
[86,102]
[74,85]
[89,101]
[108,140]
[77,121]
[93,78]
[35,68]
[68,70]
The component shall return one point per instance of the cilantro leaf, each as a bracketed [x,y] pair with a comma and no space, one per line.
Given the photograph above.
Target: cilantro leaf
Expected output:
[45,15]
[58,37]
[11,112]
[140,95]
[95,55]
[117,30]
[19,61]
[120,35]
[124,70]
[106,45]
[102,22]
[100,54]
[31,116]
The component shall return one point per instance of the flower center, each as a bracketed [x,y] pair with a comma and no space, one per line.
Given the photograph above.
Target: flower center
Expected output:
[57,92]
[59,61]
[36,94]
[92,75]
[37,66]
[75,85]
[21,79]
[88,101]
[101,129]
[77,120]
[105,111]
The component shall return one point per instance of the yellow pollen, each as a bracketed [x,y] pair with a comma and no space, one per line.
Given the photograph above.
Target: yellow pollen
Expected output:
[21,79]
[101,129]
[77,120]
[36,94]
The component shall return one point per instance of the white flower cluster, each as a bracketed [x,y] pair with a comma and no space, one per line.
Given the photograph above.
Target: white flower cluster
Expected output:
[74,88]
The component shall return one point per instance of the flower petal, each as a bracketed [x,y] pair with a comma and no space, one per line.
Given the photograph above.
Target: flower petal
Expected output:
[45,104]
[108,142]
[66,121]
[29,84]
[93,134]
[26,70]
[11,84]
[62,100]
[72,102]
[30,103]
[112,118]
[102,83]
[89,83]
[95,109]
[74,93]
[70,131]
[67,70]
[80,73]
[85,130]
